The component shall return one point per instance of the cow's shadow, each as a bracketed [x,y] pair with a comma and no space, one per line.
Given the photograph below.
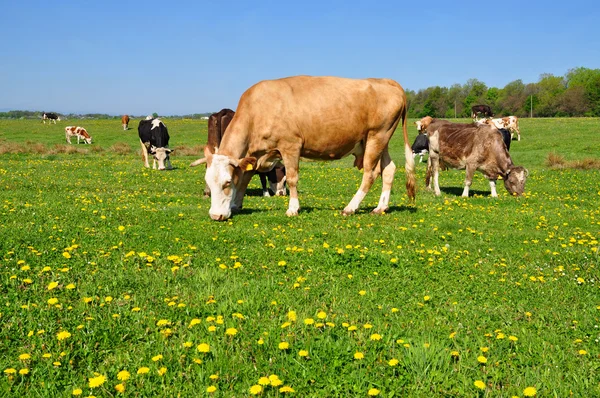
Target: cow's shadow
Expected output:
[457,191]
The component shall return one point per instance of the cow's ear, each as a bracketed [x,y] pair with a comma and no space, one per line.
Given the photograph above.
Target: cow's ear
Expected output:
[152,149]
[169,150]
[247,164]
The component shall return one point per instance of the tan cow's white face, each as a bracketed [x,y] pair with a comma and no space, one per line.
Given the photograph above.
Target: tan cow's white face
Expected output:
[515,181]
[161,155]
[219,178]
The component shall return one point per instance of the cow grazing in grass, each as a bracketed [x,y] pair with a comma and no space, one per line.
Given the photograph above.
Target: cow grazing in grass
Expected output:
[484,110]
[323,118]
[154,138]
[420,146]
[125,122]
[50,117]
[79,132]
[506,135]
[472,147]
[217,125]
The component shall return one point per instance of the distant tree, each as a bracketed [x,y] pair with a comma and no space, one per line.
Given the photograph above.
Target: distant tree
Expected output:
[589,80]
[550,89]
[511,99]
[155,114]
[573,102]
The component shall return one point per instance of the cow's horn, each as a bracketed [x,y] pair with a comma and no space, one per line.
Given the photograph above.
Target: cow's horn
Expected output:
[198,162]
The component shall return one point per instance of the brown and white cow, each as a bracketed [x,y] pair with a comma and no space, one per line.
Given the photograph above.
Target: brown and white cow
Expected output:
[79,132]
[217,126]
[471,147]
[125,122]
[323,118]
[510,123]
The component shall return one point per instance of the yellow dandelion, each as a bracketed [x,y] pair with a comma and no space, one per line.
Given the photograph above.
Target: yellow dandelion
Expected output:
[52,285]
[211,389]
[530,392]
[162,371]
[256,389]
[24,357]
[359,355]
[286,389]
[24,371]
[393,362]
[309,321]
[123,375]
[362,292]
[322,315]
[375,337]
[582,352]
[291,315]
[97,381]
[373,392]
[63,335]
[120,388]
[203,347]
[143,370]
[513,338]
[231,331]
[52,301]
[303,353]
[193,322]
[479,384]
[264,381]
[481,359]
[157,358]
[77,391]
[284,345]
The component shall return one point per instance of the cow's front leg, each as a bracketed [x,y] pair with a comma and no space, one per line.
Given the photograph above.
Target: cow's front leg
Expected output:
[388,169]
[145,155]
[238,199]
[435,170]
[292,181]
[263,183]
[371,160]
[154,164]
[493,188]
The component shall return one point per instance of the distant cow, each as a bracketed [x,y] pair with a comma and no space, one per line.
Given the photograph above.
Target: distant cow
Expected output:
[79,132]
[471,147]
[154,138]
[420,146]
[50,117]
[217,125]
[323,118]
[484,110]
[125,122]
[506,135]
[511,123]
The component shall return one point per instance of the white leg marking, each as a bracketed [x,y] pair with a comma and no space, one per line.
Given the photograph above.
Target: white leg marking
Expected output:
[355,202]
[465,193]
[293,207]
[493,189]
[384,201]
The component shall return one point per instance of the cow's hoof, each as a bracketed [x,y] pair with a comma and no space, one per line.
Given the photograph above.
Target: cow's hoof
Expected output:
[380,211]
[347,211]
[266,194]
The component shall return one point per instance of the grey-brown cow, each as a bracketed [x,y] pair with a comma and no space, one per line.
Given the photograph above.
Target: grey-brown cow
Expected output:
[471,147]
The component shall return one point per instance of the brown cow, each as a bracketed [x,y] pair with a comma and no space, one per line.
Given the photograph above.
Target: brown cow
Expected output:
[471,147]
[217,124]
[125,122]
[323,118]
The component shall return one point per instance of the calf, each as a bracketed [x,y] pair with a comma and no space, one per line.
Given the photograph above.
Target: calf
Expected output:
[217,126]
[154,138]
[50,117]
[420,146]
[125,122]
[79,132]
[484,110]
[471,147]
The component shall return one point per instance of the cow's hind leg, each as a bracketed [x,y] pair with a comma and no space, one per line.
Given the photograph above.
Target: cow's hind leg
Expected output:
[388,169]
[468,179]
[372,157]
[263,183]
[493,188]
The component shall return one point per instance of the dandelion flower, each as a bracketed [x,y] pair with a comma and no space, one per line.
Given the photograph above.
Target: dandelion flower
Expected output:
[157,358]
[285,389]
[231,331]
[52,301]
[52,285]
[211,389]
[10,371]
[309,321]
[203,347]
[582,352]
[284,345]
[362,292]
[123,375]
[303,353]
[120,387]
[264,381]
[162,371]
[63,335]
[97,381]
[143,370]
[359,355]
[322,315]
[482,359]
[375,337]
[24,371]
[24,357]
[77,391]
[373,392]
[256,389]
[479,384]
[530,392]
[292,316]
[513,338]
[393,362]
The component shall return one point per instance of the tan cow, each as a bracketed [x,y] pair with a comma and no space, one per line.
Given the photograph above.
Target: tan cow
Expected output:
[79,132]
[471,147]
[510,123]
[125,122]
[323,118]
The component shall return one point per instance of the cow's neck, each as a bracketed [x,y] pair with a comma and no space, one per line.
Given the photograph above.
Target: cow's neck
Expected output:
[234,144]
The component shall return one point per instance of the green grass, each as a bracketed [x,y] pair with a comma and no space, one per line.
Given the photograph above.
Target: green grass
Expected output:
[145,260]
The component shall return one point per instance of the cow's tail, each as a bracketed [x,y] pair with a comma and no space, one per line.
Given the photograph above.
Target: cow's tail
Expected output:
[409,165]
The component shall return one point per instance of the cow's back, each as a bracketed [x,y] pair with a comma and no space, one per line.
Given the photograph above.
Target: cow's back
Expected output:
[217,124]
[328,115]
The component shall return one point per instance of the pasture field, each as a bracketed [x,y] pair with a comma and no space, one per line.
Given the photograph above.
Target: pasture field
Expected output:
[115,282]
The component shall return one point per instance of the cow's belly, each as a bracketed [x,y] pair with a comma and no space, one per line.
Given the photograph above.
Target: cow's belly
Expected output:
[333,151]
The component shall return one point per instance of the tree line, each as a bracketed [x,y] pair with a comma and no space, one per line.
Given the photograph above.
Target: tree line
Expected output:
[577,93]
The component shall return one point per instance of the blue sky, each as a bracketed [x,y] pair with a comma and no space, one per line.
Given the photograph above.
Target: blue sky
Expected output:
[181,57]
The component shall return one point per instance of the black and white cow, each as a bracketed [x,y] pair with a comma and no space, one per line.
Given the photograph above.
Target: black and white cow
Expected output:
[154,138]
[50,117]
[420,146]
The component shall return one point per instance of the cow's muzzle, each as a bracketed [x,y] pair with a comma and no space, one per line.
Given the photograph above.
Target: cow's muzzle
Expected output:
[218,217]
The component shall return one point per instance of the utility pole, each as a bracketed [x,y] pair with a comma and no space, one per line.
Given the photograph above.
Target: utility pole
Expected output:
[455,109]
[531,107]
